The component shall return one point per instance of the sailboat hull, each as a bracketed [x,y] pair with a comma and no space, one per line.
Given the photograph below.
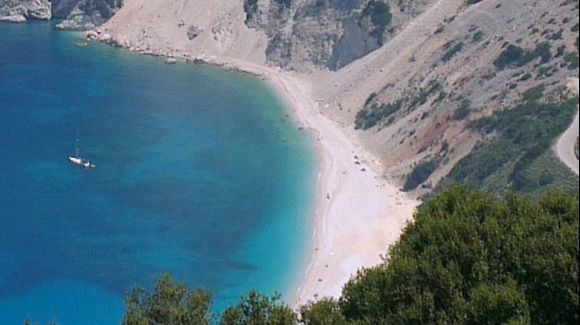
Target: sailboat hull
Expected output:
[80,162]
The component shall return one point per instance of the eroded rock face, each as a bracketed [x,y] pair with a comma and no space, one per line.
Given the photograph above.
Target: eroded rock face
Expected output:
[62,8]
[22,10]
[327,33]
[84,14]
[77,14]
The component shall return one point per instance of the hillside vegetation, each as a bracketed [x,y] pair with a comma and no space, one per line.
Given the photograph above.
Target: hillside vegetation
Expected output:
[471,259]
[516,142]
[456,87]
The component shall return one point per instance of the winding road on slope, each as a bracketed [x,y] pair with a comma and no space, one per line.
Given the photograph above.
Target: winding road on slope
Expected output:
[565,145]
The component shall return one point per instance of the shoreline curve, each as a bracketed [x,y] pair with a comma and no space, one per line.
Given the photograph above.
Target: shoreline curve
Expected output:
[358,213]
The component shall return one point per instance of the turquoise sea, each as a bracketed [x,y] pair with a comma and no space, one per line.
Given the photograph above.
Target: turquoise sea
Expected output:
[199,173]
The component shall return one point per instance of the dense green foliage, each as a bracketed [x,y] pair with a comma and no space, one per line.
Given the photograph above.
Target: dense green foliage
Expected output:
[324,312]
[380,16]
[534,93]
[462,110]
[572,60]
[250,7]
[172,303]
[285,3]
[257,309]
[470,259]
[517,138]
[514,56]
[367,118]
[420,174]
[452,51]
[373,114]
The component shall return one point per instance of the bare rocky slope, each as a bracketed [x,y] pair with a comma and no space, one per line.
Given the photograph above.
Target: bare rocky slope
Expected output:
[449,68]
[20,11]
[326,33]
[84,14]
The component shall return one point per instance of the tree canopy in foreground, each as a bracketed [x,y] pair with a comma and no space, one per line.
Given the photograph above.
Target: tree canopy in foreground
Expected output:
[471,259]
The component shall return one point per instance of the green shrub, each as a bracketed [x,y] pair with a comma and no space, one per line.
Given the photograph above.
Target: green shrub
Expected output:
[515,56]
[420,174]
[380,16]
[463,110]
[477,37]
[452,52]
[572,60]
[526,77]
[534,93]
[250,7]
[369,117]
[520,136]
[471,259]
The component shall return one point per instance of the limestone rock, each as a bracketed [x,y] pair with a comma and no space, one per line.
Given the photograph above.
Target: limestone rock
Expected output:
[20,11]
[193,32]
[13,19]
[325,33]
[84,14]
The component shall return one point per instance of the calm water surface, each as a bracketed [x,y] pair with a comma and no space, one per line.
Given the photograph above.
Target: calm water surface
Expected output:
[200,173]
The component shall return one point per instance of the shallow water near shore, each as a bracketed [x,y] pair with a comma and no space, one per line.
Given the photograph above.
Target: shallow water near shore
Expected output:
[199,172]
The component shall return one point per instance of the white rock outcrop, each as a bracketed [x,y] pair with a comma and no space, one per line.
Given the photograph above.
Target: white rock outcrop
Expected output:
[21,11]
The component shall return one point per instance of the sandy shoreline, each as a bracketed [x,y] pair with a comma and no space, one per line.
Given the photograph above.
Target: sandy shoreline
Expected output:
[358,213]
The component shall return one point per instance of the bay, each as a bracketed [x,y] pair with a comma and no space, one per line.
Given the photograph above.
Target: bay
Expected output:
[200,173]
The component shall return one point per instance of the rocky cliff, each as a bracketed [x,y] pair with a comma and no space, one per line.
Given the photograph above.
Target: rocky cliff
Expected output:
[76,14]
[327,33]
[84,14]
[300,35]
[22,10]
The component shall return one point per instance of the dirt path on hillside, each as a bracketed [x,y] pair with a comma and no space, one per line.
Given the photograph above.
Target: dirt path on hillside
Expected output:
[565,146]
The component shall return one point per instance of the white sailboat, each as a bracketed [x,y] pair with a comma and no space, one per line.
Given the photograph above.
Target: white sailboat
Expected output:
[80,161]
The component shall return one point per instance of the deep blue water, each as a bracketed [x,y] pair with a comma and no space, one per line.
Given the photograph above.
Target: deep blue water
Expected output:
[200,173]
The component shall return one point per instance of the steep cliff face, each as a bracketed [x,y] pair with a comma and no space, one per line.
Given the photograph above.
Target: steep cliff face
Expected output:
[77,14]
[20,11]
[84,14]
[327,33]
